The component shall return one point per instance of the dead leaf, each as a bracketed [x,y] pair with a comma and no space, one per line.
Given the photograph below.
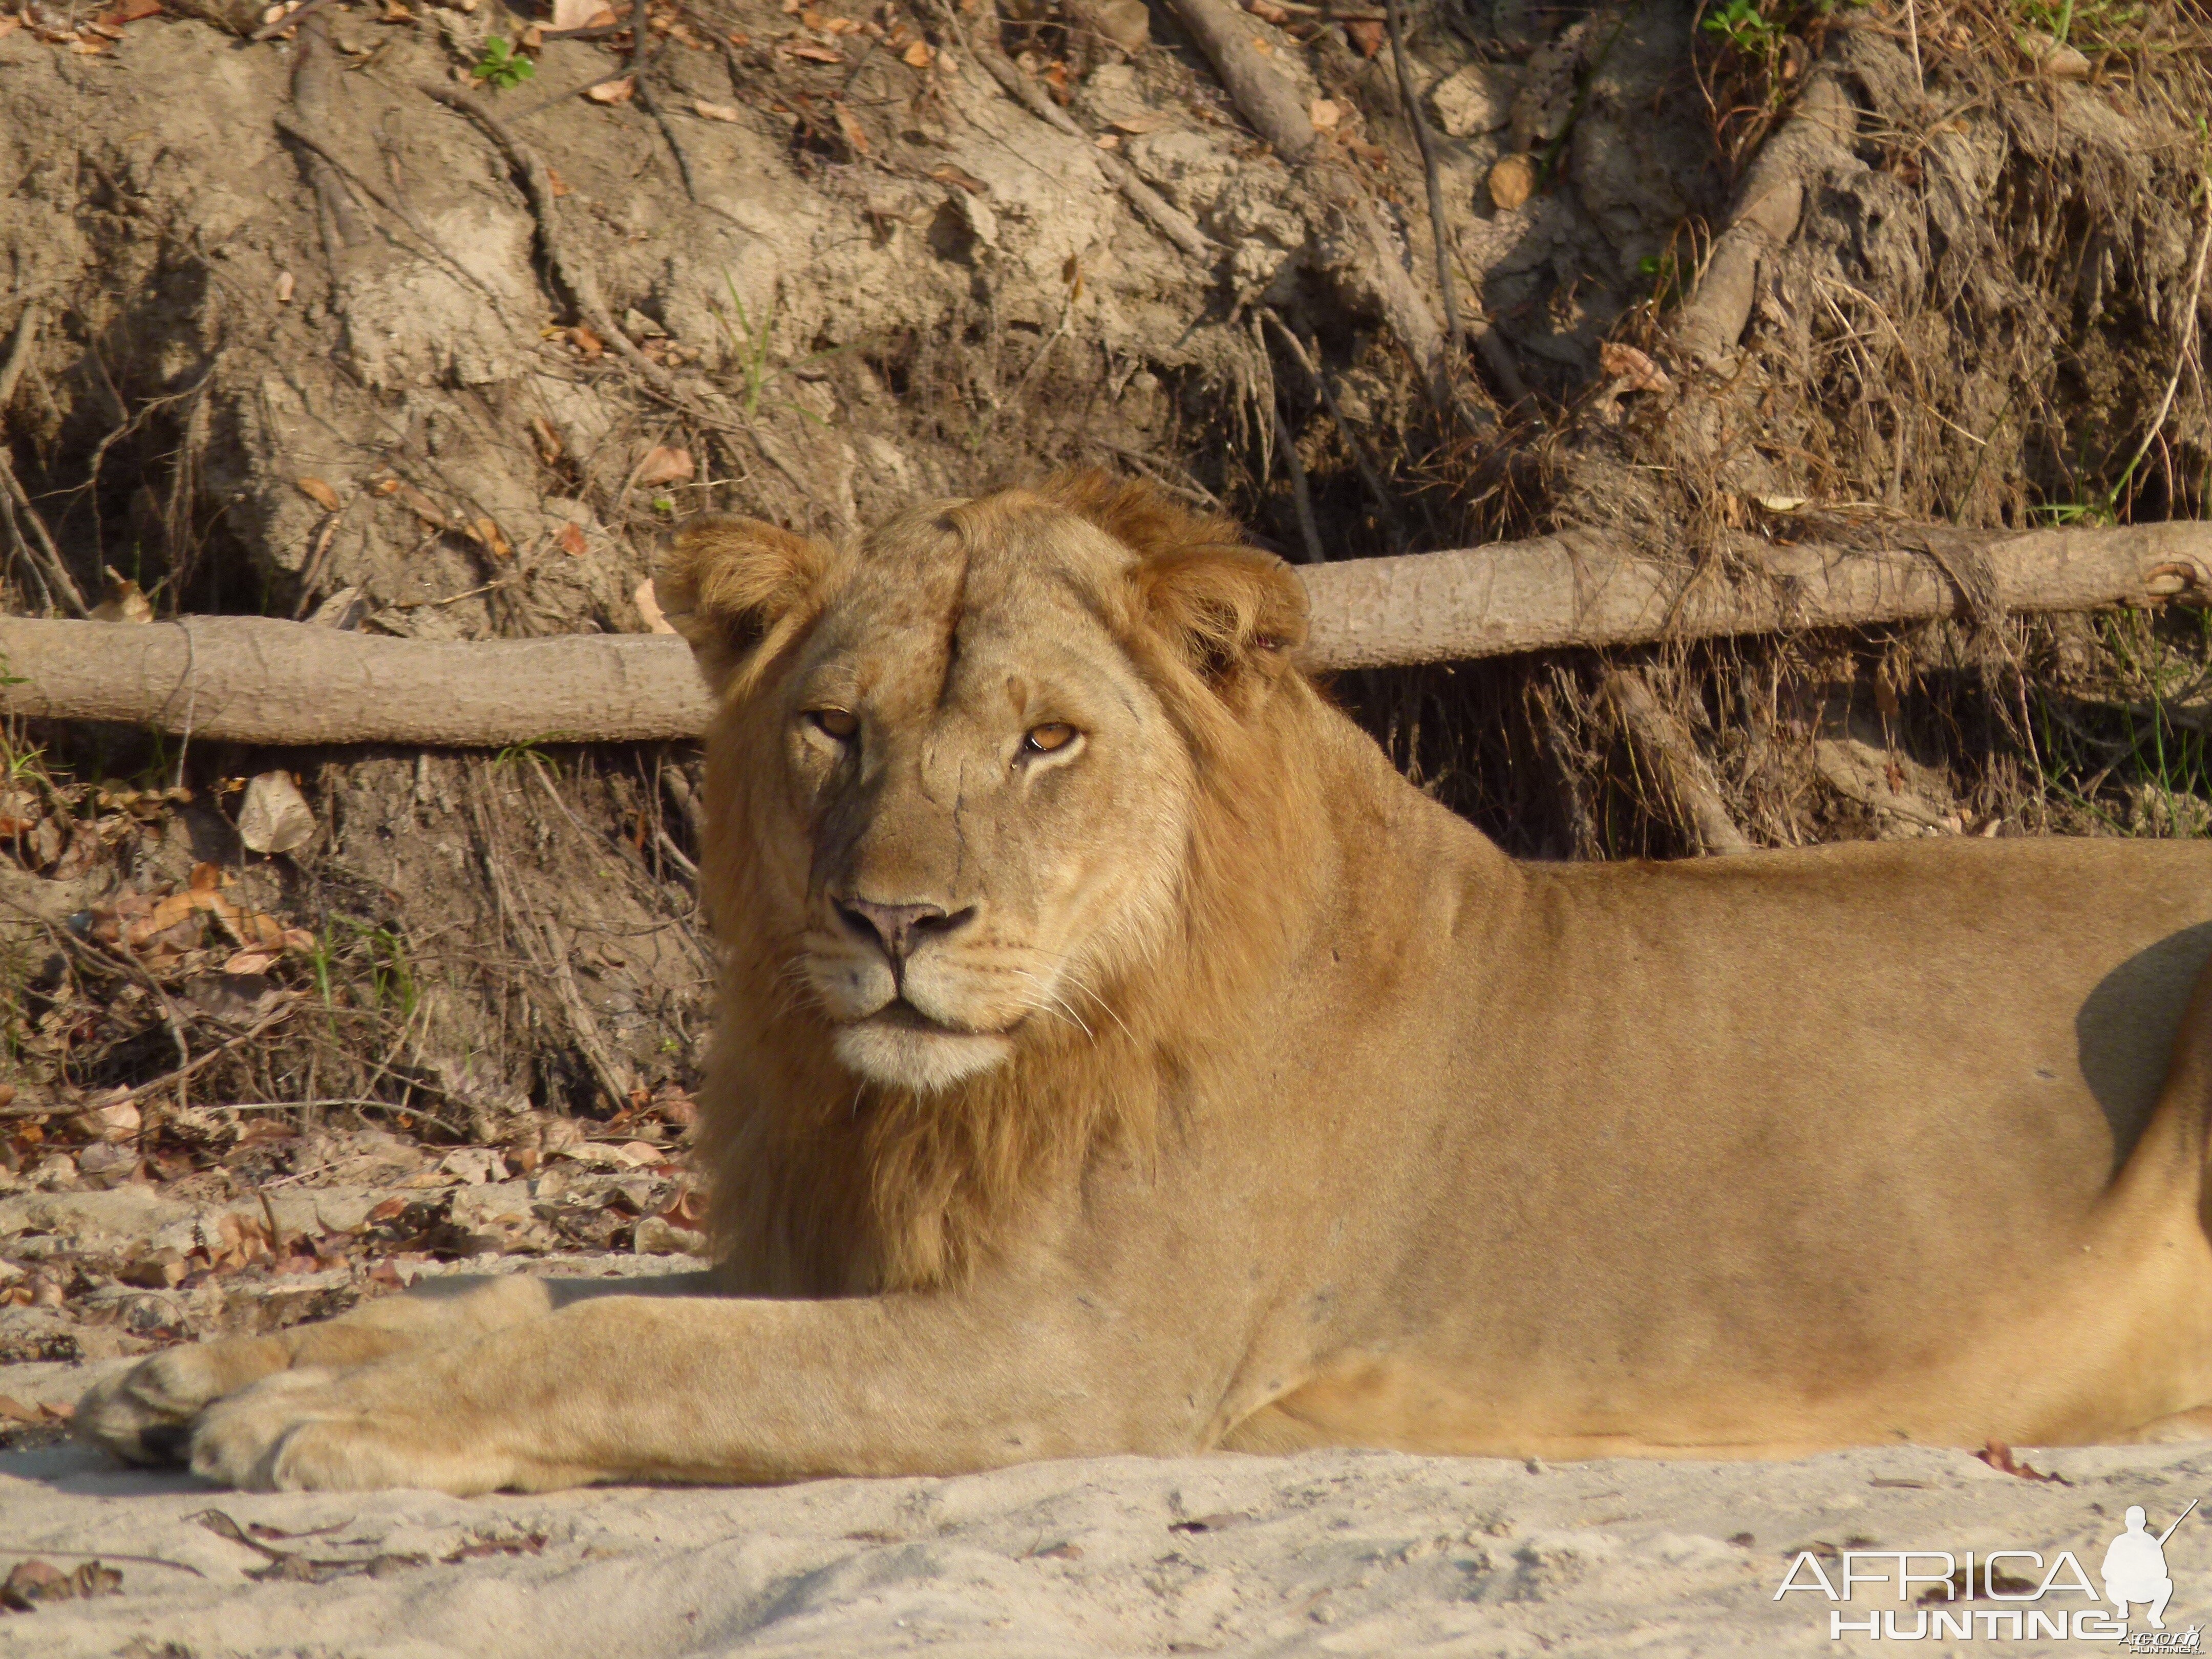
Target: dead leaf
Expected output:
[1999,1456]
[573,542]
[1512,181]
[855,135]
[275,818]
[574,13]
[549,447]
[421,505]
[1133,124]
[707,112]
[251,962]
[485,534]
[917,55]
[555,182]
[121,602]
[648,606]
[1366,37]
[9,25]
[1108,141]
[1324,114]
[320,493]
[949,175]
[285,285]
[587,342]
[16,1411]
[812,52]
[119,1123]
[613,92]
[663,466]
[1626,363]
[84,48]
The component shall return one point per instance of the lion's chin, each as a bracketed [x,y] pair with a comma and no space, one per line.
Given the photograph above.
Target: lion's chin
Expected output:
[924,1060]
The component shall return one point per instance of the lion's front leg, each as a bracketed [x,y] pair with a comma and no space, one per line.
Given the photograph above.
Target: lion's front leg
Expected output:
[715,1390]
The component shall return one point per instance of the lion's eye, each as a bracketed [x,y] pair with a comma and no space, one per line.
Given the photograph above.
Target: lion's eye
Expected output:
[838,723]
[1043,739]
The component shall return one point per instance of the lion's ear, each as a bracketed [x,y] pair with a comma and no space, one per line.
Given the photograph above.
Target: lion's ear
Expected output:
[740,590]
[1231,614]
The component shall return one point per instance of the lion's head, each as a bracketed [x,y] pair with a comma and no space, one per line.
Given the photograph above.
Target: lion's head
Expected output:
[966,750]
[967,777]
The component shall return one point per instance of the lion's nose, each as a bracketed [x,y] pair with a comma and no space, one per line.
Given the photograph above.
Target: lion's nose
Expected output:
[898,928]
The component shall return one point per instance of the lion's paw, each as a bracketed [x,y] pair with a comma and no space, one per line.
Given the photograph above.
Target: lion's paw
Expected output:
[309,1431]
[145,1414]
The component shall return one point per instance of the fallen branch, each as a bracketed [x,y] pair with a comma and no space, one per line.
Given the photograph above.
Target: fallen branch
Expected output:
[254,680]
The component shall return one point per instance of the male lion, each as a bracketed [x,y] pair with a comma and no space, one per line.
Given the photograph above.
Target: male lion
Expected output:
[1116,1055]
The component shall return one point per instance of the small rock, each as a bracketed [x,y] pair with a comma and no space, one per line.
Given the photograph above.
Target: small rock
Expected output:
[1124,25]
[658,1235]
[1512,181]
[2060,63]
[1479,99]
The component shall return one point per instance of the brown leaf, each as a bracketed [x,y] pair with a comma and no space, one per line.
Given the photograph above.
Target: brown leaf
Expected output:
[662,465]
[274,818]
[707,112]
[1145,122]
[549,447]
[16,1411]
[1998,1455]
[33,1581]
[207,878]
[1366,37]
[949,175]
[587,342]
[485,532]
[572,541]
[422,505]
[918,55]
[812,52]
[1625,362]
[250,961]
[648,607]
[320,493]
[560,185]
[613,92]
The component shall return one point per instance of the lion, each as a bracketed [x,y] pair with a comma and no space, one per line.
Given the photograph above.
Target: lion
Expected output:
[1115,1054]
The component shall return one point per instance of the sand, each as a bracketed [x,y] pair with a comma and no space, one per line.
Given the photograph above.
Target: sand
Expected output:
[1339,1552]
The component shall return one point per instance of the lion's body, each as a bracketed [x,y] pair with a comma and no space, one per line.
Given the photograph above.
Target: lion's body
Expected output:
[1115,1054]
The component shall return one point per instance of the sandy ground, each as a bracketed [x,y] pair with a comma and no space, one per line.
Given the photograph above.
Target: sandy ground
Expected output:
[1343,1552]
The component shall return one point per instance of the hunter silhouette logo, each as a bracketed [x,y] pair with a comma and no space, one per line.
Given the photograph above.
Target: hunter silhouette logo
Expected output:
[2135,1566]
[1952,1594]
